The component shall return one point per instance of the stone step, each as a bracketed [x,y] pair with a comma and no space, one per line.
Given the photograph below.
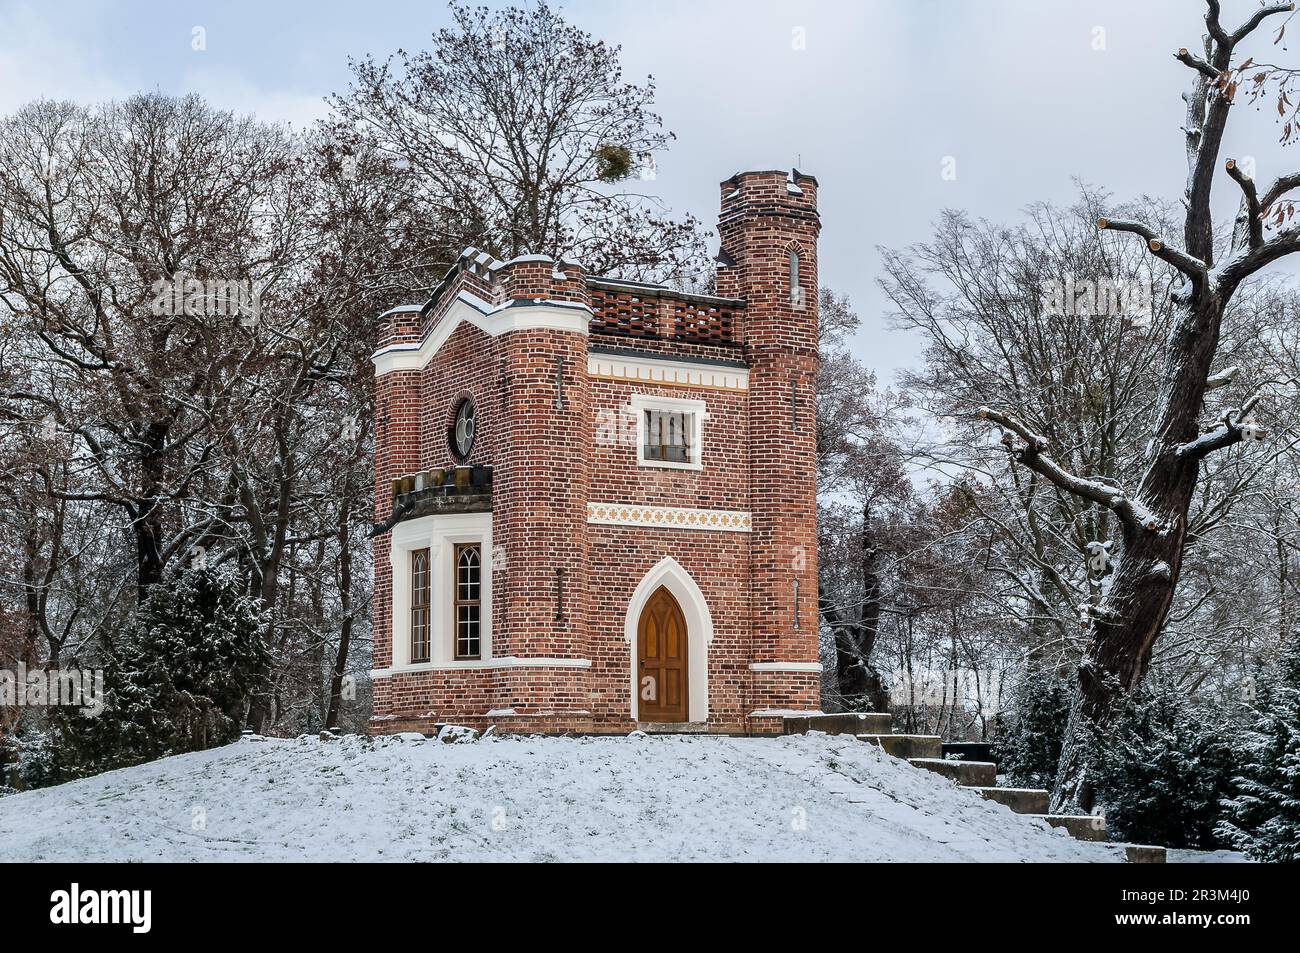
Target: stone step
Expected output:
[673,727]
[969,750]
[1080,826]
[970,774]
[849,723]
[1020,800]
[907,746]
[1143,854]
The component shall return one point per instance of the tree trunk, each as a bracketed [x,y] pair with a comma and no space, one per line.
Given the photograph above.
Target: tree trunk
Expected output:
[146,509]
[345,604]
[1133,612]
[855,629]
[147,530]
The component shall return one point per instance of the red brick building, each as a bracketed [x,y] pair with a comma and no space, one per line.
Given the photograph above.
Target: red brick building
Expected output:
[597,498]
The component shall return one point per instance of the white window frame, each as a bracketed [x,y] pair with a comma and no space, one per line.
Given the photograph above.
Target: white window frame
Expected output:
[440,534]
[677,405]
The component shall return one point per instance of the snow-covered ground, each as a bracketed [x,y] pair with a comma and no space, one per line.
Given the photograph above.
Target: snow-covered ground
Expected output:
[660,798]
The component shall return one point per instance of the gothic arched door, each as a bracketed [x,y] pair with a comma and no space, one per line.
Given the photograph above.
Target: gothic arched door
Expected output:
[661,660]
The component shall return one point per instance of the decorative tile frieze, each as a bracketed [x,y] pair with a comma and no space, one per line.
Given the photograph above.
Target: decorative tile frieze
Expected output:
[668,517]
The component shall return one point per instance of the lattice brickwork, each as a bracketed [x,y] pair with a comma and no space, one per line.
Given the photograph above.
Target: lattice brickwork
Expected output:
[618,312]
[703,324]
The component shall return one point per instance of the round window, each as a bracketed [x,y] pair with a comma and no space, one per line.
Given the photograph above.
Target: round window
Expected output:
[462,431]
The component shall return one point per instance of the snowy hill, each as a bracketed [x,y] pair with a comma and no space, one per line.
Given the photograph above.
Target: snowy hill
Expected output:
[807,797]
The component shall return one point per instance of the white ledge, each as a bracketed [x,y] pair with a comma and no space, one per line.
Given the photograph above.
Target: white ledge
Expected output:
[785,666]
[666,372]
[505,661]
[402,309]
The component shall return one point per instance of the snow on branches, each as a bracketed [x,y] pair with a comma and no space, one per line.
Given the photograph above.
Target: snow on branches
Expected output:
[1099,561]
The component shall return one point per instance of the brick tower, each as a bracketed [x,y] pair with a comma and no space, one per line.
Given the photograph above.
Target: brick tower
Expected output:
[543,466]
[768,229]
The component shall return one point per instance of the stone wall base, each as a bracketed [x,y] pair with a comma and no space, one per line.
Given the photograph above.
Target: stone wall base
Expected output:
[558,724]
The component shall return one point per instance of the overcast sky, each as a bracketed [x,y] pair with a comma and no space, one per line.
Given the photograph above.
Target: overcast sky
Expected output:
[871,97]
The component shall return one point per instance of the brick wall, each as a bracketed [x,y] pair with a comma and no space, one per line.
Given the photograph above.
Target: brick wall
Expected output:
[722,484]
[718,562]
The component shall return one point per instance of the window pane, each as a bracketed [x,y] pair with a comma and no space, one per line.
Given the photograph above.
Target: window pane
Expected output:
[652,441]
[420,583]
[467,575]
[469,566]
[668,436]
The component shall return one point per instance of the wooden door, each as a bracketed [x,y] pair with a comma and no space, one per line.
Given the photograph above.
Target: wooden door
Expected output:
[661,660]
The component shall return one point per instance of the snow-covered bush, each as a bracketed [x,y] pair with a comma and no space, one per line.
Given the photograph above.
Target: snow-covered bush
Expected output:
[1163,769]
[1262,817]
[210,634]
[179,681]
[27,758]
[1027,746]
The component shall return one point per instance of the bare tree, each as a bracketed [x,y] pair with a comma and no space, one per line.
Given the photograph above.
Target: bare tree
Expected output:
[862,484]
[91,222]
[147,421]
[1152,514]
[519,135]
[1032,316]
[1078,370]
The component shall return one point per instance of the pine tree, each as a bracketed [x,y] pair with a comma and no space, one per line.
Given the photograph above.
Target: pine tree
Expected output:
[179,682]
[1262,818]
[1163,770]
[1028,744]
[210,637]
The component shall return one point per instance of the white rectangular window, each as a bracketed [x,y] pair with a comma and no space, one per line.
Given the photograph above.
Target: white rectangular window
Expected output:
[668,436]
[670,432]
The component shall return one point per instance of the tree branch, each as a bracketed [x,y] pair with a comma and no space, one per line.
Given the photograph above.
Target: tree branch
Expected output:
[1212,23]
[1248,27]
[1195,62]
[1208,105]
[1251,260]
[1031,456]
[1282,185]
[1227,433]
[1193,268]
[1207,443]
[1221,379]
[1254,222]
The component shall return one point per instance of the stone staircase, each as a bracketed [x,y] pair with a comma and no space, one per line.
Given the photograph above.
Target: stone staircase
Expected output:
[926,752]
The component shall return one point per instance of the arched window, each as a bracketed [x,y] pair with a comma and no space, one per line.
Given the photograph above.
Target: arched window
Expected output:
[468,602]
[796,289]
[420,580]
